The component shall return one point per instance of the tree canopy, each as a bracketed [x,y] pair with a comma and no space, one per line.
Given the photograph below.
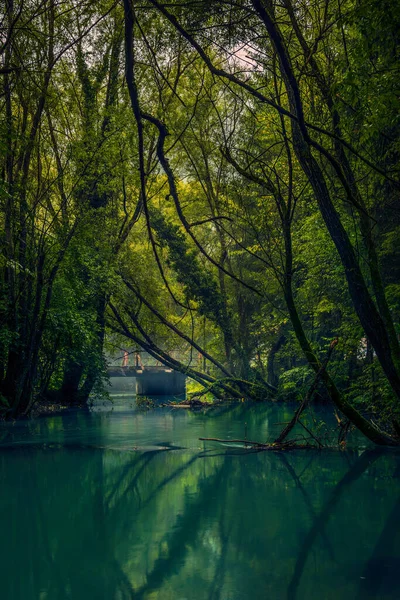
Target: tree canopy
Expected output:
[215,183]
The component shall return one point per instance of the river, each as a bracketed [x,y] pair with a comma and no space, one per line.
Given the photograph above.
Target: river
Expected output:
[120,502]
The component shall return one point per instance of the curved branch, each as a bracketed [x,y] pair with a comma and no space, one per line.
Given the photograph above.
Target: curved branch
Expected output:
[163,132]
[175,329]
[149,346]
[256,93]
[134,97]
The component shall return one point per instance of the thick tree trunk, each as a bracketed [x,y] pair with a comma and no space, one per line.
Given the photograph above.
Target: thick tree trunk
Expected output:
[370,319]
[71,380]
[365,426]
[94,372]
[272,377]
[365,220]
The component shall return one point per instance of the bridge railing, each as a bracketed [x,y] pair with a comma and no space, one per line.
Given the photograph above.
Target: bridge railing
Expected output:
[135,358]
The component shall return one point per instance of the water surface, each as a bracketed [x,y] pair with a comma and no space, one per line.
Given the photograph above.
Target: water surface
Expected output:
[119,503]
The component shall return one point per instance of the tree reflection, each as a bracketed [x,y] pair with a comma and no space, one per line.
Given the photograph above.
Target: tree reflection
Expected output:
[367,458]
[381,571]
[86,521]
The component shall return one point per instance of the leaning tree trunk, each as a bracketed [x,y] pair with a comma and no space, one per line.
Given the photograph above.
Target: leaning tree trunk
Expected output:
[370,319]
[272,377]
[366,427]
[348,173]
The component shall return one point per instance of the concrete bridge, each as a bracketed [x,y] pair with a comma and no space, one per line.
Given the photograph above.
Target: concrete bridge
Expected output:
[152,380]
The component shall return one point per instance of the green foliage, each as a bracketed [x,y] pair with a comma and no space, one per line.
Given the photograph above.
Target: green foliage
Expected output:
[71,200]
[293,382]
[198,284]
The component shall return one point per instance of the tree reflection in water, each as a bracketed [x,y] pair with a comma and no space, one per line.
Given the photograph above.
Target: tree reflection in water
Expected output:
[93,520]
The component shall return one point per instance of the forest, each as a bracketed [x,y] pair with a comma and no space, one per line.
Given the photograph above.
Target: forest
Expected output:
[212,182]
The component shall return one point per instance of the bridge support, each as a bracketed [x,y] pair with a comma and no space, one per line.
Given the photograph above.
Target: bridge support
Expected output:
[153,381]
[162,383]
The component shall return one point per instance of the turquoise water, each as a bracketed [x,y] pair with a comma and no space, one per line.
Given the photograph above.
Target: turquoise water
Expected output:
[129,504]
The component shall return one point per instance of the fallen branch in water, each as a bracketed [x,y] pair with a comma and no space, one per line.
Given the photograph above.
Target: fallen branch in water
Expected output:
[344,427]
[304,427]
[274,446]
[306,400]
[247,442]
[193,403]
[320,444]
[280,443]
